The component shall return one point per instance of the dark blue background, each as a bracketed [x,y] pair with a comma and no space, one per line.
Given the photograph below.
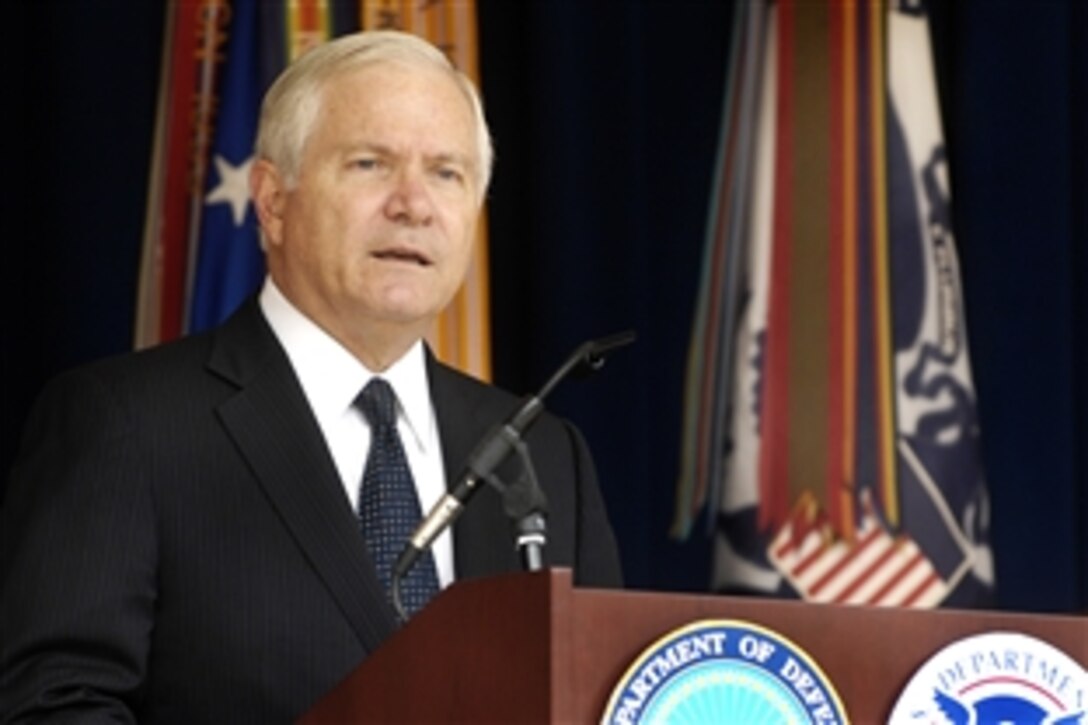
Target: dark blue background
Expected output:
[606,117]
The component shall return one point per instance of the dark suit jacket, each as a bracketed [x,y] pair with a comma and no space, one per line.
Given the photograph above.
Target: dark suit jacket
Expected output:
[178,546]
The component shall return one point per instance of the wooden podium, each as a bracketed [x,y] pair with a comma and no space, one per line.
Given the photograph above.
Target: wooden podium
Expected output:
[531,648]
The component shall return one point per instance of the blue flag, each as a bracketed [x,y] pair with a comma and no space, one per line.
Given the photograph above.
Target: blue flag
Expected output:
[229,262]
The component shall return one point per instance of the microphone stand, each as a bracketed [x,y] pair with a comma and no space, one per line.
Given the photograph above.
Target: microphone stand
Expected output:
[523,501]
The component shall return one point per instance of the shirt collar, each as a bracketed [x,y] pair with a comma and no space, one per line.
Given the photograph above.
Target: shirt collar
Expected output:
[332,377]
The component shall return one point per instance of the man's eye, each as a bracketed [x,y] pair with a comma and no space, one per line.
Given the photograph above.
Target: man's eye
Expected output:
[447,173]
[366,164]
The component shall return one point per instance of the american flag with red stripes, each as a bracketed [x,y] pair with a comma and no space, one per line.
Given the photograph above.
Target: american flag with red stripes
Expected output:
[873,568]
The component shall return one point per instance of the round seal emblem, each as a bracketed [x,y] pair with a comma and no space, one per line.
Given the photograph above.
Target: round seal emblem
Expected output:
[723,671]
[1000,677]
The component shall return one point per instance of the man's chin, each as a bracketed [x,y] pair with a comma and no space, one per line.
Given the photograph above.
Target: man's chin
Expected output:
[412,317]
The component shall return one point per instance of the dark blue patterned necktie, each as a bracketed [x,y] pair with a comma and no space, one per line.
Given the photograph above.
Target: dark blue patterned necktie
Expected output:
[388,504]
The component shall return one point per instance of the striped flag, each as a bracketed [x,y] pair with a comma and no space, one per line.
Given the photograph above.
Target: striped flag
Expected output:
[830,429]
[874,567]
[201,255]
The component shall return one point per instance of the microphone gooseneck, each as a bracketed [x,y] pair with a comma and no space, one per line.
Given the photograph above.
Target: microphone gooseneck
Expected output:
[489,454]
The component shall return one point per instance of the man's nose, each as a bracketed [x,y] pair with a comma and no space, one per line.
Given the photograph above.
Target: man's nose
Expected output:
[409,201]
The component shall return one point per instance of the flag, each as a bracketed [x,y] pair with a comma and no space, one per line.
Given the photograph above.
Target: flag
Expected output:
[830,430]
[201,252]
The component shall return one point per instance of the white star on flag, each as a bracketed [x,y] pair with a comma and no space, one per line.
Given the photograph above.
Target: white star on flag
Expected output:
[233,187]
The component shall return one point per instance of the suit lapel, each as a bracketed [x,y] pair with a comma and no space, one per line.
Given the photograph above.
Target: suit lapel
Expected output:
[272,424]
[466,410]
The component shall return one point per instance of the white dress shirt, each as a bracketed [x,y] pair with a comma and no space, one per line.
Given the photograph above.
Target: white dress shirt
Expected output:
[332,377]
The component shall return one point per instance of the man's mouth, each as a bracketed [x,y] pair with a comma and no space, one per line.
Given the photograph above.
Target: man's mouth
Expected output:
[409,256]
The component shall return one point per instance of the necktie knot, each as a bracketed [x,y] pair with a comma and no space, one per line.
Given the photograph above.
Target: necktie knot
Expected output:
[379,404]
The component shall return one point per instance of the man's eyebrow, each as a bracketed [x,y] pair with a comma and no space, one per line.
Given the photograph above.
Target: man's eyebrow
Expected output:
[451,158]
[387,150]
[372,146]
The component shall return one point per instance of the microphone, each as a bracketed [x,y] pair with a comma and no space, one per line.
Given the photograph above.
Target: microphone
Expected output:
[488,455]
[492,450]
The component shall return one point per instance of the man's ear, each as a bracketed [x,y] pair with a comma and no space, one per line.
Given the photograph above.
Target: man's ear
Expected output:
[269,191]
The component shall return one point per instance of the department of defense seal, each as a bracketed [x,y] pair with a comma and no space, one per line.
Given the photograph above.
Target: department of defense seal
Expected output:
[999,677]
[723,671]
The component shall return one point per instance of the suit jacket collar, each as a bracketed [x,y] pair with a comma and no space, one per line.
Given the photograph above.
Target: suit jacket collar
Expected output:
[270,421]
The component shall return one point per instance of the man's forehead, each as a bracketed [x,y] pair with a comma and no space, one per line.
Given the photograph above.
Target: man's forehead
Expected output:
[376,86]
[377,71]
[446,110]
